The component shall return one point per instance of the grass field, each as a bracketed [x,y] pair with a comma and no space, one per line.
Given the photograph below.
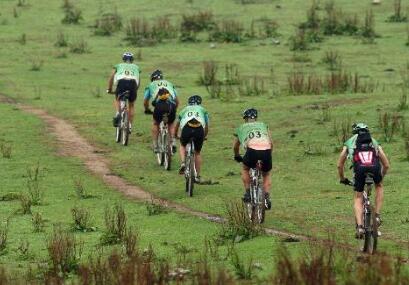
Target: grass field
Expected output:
[307,198]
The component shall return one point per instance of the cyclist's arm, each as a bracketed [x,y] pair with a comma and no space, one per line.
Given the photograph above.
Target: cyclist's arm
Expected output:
[206,130]
[236,146]
[177,125]
[207,123]
[177,101]
[111,80]
[384,161]
[146,98]
[341,162]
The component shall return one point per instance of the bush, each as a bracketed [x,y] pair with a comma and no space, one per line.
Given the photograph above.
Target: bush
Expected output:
[397,17]
[229,31]
[368,29]
[241,270]
[35,191]
[108,24]
[333,59]
[299,42]
[26,204]
[62,40]
[115,225]
[139,33]
[154,208]
[79,46]
[130,243]
[64,252]
[73,15]
[38,222]
[36,64]
[389,124]
[192,24]
[341,130]
[252,87]
[163,29]
[4,230]
[403,102]
[81,218]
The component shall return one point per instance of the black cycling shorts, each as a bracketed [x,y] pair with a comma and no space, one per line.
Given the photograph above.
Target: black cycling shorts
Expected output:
[252,156]
[163,107]
[360,172]
[127,85]
[197,134]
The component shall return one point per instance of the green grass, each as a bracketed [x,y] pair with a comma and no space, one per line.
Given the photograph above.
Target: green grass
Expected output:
[307,198]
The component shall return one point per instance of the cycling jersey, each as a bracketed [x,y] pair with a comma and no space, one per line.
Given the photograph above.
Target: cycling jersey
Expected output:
[191,112]
[152,90]
[351,145]
[254,135]
[127,71]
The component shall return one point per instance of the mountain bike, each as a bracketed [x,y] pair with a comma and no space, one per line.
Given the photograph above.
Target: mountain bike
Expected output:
[122,130]
[190,170]
[370,240]
[165,150]
[256,208]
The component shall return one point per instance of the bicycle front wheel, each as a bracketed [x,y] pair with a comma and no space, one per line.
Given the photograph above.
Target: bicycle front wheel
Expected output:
[190,178]
[166,152]
[125,128]
[118,134]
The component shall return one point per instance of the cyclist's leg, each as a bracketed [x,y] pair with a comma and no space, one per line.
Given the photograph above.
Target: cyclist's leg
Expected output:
[198,137]
[265,157]
[245,176]
[184,139]
[132,99]
[157,118]
[358,195]
[171,126]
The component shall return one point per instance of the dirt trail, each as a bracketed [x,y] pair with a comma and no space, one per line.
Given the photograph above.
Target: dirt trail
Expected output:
[71,143]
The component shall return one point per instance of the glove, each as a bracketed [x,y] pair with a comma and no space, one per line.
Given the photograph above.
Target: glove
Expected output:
[238,158]
[345,181]
[148,112]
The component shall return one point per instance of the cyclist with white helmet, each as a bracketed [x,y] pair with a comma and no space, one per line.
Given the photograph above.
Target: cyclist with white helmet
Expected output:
[256,140]
[366,156]
[165,101]
[124,77]
[193,121]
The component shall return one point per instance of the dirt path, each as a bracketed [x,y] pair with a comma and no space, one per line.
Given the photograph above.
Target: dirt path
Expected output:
[71,143]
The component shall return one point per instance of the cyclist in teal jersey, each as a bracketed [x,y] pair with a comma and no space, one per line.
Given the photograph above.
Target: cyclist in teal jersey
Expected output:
[124,77]
[165,100]
[193,121]
[255,138]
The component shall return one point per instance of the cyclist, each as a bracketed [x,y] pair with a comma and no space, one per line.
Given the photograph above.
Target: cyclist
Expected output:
[367,156]
[124,77]
[165,100]
[255,138]
[193,121]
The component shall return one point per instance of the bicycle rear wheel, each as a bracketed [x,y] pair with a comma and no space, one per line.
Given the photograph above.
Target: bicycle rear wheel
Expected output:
[159,155]
[125,128]
[371,233]
[166,152]
[190,179]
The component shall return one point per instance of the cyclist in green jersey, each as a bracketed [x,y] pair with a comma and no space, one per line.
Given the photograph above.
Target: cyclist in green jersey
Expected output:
[366,156]
[193,121]
[255,138]
[124,77]
[165,100]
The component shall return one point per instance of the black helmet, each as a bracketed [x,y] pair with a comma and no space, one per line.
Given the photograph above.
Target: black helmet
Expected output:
[360,128]
[250,113]
[128,56]
[195,100]
[156,75]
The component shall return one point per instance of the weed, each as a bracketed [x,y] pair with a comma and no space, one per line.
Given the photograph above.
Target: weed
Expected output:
[5,149]
[192,24]
[10,197]
[238,226]
[405,75]
[23,248]
[15,12]
[37,92]
[314,149]
[130,242]
[406,147]
[4,230]
[229,31]
[341,129]
[96,92]
[21,3]
[333,60]
[139,55]
[79,188]
[108,24]
[26,204]
[232,76]
[397,16]
[23,39]
[252,87]
[241,270]
[139,32]
[115,223]
[81,218]
[73,15]
[38,222]
[325,113]
[64,251]
[389,124]
[313,20]
[61,54]
[299,42]
[36,64]
[79,46]
[62,40]
[403,102]
[299,84]
[209,74]
[368,29]
[332,22]
[163,29]
[153,208]
[35,191]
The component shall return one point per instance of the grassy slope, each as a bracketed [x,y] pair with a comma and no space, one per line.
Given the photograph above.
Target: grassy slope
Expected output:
[306,195]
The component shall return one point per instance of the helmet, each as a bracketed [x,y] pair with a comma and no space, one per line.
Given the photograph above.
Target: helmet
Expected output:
[250,113]
[157,74]
[360,128]
[195,100]
[128,56]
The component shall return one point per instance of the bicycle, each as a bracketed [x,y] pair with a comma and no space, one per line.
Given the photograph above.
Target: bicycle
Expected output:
[256,208]
[165,151]
[370,240]
[122,130]
[190,170]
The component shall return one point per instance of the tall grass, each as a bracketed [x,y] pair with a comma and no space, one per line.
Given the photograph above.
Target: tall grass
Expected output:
[108,23]
[115,225]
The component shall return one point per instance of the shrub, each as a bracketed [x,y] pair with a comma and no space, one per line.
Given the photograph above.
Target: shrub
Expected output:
[192,24]
[299,84]
[163,29]
[26,204]
[407,36]
[108,24]
[333,59]
[397,17]
[238,226]
[403,102]
[38,222]
[62,40]
[81,218]
[64,252]
[5,149]
[139,33]
[368,29]
[115,224]
[154,208]
[79,188]
[332,22]
[4,230]
[406,148]
[232,76]
[229,31]
[21,3]
[299,42]
[35,191]
[313,20]
[252,87]
[73,15]
[36,64]
[341,130]
[389,124]
[23,248]
[209,74]
[79,46]
[130,242]
[270,28]
[325,113]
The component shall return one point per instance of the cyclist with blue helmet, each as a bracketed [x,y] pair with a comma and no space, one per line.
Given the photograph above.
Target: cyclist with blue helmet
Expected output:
[193,121]
[367,156]
[254,136]
[124,77]
[165,101]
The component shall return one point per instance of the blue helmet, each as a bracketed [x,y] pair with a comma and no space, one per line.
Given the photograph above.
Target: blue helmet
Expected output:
[250,113]
[156,75]
[128,56]
[195,100]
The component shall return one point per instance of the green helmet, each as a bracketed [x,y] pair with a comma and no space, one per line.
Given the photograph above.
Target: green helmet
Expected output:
[360,128]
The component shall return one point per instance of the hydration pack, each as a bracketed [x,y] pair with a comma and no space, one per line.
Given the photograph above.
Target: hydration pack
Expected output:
[365,153]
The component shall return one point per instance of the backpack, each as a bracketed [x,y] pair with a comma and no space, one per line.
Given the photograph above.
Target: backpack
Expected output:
[365,153]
